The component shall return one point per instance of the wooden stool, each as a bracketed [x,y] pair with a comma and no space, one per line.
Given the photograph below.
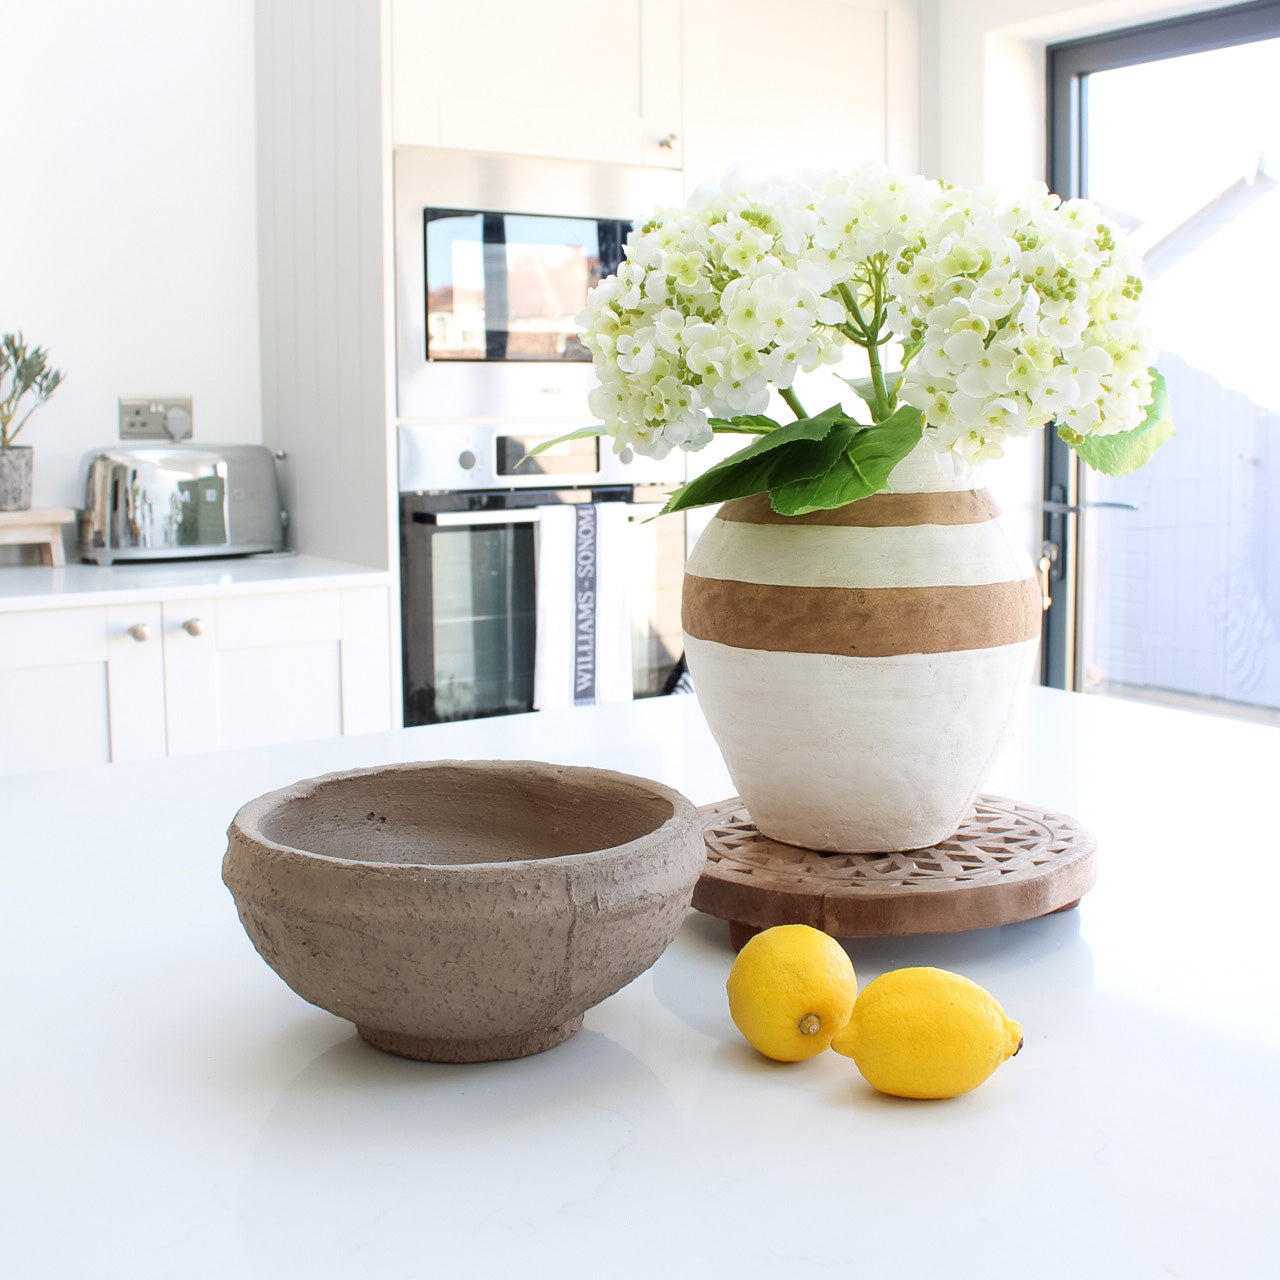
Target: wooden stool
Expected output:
[43,528]
[1008,862]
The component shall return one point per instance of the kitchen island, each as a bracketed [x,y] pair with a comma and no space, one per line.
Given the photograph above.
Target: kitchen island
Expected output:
[172,1110]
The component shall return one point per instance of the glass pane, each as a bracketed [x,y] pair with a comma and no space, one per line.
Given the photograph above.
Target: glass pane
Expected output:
[656,576]
[1181,596]
[503,286]
[550,265]
[455,287]
[483,627]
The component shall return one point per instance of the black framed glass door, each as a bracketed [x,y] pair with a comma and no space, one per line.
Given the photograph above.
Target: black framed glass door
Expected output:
[1164,585]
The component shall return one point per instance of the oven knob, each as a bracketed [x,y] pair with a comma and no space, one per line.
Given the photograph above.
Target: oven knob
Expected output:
[466,460]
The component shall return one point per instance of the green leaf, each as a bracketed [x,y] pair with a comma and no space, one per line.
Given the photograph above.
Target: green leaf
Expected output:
[858,470]
[747,423]
[581,434]
[778,457]
[878,449]
[1126,451]
[866,387]
[837,483]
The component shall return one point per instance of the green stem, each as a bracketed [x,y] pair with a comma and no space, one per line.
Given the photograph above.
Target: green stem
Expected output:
[869,338]
[881,409]
[793,403]
[850,300]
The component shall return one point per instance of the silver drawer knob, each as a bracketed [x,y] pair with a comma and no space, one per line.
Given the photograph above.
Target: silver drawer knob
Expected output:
[194,626]
[140,632]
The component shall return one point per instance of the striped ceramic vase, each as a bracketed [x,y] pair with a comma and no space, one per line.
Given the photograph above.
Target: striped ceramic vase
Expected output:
[859,668]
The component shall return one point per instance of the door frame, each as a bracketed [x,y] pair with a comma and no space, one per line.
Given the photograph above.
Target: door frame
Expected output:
[1067,66]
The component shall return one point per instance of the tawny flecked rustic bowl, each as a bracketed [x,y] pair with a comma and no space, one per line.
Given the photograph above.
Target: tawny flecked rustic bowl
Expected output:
[464,911]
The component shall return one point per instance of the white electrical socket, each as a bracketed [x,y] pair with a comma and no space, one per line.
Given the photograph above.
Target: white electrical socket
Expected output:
[155,417]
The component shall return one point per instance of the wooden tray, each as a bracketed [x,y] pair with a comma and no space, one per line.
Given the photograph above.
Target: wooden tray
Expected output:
[1008,862]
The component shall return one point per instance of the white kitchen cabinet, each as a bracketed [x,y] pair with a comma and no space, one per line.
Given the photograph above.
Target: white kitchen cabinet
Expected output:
[577,79]
[133,681]
[56,670]
[246,671]
[810,92]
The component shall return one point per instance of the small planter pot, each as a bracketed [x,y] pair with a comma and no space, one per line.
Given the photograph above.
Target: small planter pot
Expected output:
[15,477]
[859,668]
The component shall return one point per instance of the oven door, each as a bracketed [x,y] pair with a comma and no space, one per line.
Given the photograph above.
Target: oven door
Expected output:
[510,608]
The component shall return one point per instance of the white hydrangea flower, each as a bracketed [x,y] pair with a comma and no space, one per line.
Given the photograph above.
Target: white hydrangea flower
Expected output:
[1011,314]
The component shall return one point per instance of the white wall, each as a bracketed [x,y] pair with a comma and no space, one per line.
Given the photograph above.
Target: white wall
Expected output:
[324,179]
[127,227]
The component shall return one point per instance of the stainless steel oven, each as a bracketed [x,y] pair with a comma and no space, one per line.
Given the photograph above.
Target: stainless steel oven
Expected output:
[527,582]
[533,583]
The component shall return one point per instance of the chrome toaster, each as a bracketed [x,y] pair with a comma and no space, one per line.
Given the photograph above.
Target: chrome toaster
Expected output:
[161,502]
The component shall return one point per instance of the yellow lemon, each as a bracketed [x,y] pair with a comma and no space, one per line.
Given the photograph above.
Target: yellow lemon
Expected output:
[927,1033]
[791,989]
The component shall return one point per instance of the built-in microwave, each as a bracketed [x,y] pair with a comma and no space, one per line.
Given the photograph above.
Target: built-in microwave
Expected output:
[494,258]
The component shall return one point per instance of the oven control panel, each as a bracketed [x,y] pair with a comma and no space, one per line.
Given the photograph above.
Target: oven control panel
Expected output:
[436,456]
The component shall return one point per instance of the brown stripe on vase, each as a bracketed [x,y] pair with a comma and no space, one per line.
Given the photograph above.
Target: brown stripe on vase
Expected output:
[879,511]
[860,622]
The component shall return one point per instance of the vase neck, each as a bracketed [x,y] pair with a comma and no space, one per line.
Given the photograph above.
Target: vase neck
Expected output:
[927,470]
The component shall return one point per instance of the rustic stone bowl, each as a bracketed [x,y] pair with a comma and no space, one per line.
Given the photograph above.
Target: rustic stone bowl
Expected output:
[464,911]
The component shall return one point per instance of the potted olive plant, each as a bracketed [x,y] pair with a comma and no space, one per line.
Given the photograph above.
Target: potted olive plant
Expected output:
[26,382]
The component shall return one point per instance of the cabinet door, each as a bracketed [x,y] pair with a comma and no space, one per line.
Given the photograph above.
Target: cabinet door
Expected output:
[135,681]
[810,96]
[366,660]
[577,79]
[245,671]
[53,690]
[78,686]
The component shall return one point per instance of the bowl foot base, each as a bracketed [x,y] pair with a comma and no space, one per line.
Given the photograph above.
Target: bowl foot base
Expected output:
[485,1049]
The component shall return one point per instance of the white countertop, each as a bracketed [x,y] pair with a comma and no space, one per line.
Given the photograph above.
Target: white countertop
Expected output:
[171,1109]
[31,586]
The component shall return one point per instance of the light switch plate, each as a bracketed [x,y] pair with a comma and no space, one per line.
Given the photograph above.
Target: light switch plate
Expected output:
[155,417]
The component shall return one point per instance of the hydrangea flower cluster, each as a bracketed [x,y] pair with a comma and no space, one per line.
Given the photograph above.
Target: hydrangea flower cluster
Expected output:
[1007,314]
[1017,315]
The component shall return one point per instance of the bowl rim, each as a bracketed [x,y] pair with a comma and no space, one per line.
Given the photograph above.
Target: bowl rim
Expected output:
[248,818]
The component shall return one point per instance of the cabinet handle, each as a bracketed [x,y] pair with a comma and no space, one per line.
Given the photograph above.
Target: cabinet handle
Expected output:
[140,632]
[668,142]
[194,626]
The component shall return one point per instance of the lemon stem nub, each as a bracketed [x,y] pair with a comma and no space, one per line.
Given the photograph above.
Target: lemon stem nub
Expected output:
[810,1024]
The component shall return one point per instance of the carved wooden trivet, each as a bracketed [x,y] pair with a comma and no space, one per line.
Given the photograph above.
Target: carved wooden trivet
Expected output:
[1008,862]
